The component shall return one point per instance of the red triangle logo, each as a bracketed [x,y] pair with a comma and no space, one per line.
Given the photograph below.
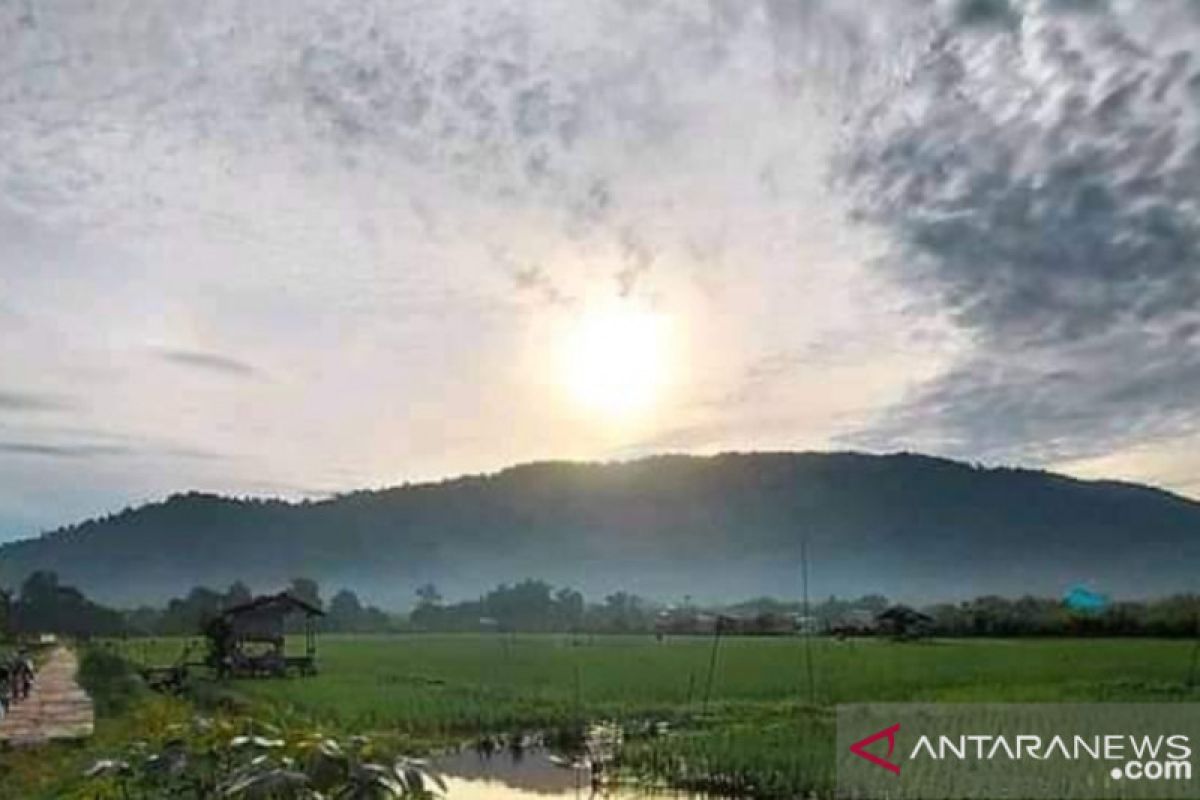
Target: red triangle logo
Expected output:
[859,748]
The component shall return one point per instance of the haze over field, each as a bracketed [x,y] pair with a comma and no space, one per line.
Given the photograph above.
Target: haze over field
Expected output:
[297,248]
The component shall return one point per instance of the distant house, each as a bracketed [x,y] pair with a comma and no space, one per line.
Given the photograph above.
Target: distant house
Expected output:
[856,622]
[684,622]
[904,622]
[696,623]
[249,639]
[765,624]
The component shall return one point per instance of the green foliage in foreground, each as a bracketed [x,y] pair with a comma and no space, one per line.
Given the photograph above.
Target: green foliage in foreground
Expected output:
[111,680]
[211,758]
[149,747]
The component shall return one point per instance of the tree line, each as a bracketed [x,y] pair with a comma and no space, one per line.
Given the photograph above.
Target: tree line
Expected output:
[534,605]
[344,612]
[43,603]
[1175,616]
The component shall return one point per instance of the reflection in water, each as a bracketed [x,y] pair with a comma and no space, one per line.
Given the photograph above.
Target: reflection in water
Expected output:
[527,775]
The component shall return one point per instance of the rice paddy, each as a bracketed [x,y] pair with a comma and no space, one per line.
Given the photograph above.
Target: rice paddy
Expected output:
[744,720]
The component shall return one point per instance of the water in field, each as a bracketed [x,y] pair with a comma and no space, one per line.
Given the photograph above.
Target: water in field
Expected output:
[529,775]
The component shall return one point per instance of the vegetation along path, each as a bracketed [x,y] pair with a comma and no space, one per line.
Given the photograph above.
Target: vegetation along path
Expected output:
[57,708]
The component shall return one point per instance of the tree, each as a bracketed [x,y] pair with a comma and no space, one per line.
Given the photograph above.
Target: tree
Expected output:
[530,605]
[306,589]
[345,612]
[205,603]
[47,606]
[40,588]
[237,594]
[569,608]
[428,595]
[624,612]
[5,614]
[875,603]
[525,606]
[189,615]
[376,620]
[218,634]
[144,620]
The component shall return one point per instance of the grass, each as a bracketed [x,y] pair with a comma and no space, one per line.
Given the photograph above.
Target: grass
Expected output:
[758,730]
[460,683]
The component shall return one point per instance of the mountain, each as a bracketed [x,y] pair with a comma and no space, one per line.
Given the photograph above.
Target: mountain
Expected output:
[721,527]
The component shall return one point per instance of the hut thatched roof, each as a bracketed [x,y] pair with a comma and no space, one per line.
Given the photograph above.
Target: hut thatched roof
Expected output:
[283,601]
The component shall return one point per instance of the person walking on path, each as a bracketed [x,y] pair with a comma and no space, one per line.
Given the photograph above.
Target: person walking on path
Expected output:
[53,707]
[5,687]
[22,675]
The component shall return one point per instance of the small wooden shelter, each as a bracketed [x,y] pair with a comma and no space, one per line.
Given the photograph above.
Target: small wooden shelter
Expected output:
[250,639]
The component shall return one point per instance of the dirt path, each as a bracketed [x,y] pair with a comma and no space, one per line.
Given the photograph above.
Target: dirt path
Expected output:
[55,709]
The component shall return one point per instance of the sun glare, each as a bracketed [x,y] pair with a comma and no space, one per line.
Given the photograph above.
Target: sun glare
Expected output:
[617,360]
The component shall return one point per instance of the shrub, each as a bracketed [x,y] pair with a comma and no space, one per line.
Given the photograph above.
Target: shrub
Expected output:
[112,681]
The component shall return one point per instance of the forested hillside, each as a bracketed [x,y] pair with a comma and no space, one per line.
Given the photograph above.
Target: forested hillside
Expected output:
[908,526]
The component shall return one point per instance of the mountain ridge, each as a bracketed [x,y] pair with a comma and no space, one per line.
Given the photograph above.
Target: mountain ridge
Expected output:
[721,526]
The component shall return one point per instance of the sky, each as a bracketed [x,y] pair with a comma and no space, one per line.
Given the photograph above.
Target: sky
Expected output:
[298,248]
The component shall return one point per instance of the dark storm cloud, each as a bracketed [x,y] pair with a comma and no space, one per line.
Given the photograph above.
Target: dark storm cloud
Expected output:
[212,362]
[985,12]
[1043,182]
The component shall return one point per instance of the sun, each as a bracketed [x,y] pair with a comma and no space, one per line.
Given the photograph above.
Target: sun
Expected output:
[617,360]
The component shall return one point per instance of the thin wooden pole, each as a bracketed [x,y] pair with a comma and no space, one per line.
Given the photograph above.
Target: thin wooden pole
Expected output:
[1191,681]
[712,664]
[578,696]
[808,654]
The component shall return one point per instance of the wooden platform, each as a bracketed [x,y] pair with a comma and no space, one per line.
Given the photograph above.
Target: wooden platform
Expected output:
[56,709]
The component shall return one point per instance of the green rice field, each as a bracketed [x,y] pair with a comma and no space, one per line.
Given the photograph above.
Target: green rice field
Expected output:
[744,718]
[451,683]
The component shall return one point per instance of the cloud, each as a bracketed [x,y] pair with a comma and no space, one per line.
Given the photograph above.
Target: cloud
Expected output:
[1042,181]
[536,280]
[187,453]
[79,441]
[969,13]
[396,214]
[212,362]
[62,450]
[638,259]
[27,401]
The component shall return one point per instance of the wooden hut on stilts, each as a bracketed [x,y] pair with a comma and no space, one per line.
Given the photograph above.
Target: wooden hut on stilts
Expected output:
[250,639]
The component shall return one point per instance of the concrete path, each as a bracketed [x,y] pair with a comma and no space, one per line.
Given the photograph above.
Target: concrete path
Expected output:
[56,708]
